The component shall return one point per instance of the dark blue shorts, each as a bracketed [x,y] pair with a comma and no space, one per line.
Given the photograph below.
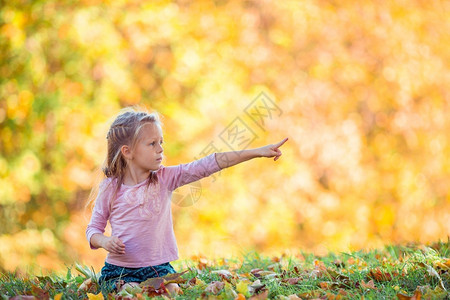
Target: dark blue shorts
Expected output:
[112,273]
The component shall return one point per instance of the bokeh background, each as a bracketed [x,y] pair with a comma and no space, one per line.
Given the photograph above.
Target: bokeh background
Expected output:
[361,88]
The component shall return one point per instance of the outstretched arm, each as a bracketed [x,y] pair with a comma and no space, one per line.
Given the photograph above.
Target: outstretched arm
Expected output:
[229,159]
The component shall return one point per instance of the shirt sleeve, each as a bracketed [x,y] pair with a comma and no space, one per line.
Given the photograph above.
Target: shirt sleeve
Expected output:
[182,174]
[100,214]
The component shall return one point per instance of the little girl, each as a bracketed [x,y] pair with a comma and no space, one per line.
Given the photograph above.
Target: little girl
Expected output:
[135,198]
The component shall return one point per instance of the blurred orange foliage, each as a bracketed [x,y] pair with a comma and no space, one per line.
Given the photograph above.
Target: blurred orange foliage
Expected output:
[361,90]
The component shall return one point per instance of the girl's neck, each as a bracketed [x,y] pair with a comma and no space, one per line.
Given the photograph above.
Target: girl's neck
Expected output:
[134,177]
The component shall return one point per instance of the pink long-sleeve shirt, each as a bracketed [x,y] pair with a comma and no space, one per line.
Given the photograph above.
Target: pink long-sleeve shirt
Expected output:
[141,215]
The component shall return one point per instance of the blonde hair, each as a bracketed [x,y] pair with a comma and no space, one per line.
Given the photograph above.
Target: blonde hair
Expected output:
[125,130]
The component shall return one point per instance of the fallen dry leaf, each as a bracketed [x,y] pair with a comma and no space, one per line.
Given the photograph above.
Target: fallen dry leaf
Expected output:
[369,285]
[240,297]
[417,296]
[174,278]
[261,296]
[326,285]
[224,273]
[312,294]
[87,285]
[258,273]
[95,297]
[381,276]
[338,277]
[215,287]
[256,286]
[292,281]
[203,263]
[341,295]
[192,281]
[58,296]
[40,293]
[155,283]
[351,261]
[150,291]
[442,267]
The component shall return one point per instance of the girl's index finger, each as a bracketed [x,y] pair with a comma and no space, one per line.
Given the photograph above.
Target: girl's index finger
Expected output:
[281,143]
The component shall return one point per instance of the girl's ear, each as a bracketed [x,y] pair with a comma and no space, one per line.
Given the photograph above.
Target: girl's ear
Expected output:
[126,152]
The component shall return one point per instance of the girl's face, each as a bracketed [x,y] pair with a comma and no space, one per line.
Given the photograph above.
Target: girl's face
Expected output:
[148,152]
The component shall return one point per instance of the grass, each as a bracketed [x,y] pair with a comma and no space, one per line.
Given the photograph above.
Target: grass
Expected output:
[394,272]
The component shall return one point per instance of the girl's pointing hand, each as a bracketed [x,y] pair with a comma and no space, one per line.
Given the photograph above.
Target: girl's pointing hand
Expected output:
[272,150]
